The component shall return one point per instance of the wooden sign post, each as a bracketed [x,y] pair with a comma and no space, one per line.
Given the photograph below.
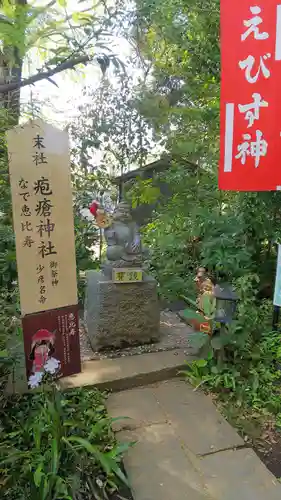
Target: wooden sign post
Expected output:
[44,231]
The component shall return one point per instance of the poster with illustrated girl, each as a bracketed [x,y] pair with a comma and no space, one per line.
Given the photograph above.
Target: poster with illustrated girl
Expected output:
[42,356]
[51,344]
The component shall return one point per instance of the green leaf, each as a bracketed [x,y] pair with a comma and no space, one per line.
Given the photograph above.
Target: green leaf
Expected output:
[93,450]
[201,363]
[37,476]
[122,448]
[55,456]
[81,17]
[215,370]
[116,419]
[116,469]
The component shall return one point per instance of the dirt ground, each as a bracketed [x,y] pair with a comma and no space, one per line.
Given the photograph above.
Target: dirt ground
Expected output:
[269,450]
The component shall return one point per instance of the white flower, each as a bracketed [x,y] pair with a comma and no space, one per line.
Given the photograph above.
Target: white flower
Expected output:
[52,366]
[35,379]
[99,482]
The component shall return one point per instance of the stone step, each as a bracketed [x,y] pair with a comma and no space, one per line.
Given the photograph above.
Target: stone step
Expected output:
[123,373]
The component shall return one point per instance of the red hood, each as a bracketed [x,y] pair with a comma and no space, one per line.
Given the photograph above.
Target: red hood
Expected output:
[43,334]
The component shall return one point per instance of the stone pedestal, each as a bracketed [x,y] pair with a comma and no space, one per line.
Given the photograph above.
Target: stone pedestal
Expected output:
[122,314]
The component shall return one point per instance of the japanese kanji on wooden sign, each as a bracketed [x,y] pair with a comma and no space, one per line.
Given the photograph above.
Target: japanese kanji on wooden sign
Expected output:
[43,216]
[39,167]
[250,95]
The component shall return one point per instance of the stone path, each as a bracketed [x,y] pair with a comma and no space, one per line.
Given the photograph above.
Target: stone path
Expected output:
[184,449]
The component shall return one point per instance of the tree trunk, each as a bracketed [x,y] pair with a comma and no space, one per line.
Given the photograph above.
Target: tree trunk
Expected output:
[10,71]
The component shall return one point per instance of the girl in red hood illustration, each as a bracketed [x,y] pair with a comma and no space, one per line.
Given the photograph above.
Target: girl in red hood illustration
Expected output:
[42,348]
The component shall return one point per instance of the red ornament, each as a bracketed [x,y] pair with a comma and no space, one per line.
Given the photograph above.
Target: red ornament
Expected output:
[94,208]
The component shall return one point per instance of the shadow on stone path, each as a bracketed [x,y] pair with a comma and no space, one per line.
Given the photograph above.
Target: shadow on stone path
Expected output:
[185,449]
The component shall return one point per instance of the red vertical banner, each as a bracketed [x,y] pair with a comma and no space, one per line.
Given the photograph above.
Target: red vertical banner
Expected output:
[250,158]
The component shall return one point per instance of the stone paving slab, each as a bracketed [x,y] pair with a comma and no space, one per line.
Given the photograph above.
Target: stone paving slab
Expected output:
[158,468]
[239,474]
[139,405]
[124,373]
[197,422]
[184,449]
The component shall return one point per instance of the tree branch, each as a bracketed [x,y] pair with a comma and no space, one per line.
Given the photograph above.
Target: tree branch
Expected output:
[68,64]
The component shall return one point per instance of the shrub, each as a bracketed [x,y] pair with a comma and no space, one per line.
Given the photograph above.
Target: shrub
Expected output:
[58,446]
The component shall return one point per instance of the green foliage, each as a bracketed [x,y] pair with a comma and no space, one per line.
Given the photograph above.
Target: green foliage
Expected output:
[86,188]
[109,133]
[58,446]
[10,336]
[251,380]
[86,235]
[144,192]
[240,365]
[181,39]
[8,268]
[53,31]
[232,234]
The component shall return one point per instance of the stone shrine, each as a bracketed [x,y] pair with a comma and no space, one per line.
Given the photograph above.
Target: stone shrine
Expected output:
[121,303]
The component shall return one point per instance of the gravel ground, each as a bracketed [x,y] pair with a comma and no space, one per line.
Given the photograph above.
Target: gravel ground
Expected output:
[174,335]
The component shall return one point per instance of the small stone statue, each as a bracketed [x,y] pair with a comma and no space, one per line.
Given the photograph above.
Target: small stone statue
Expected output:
[124,248]
[205,288]
[116,315]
